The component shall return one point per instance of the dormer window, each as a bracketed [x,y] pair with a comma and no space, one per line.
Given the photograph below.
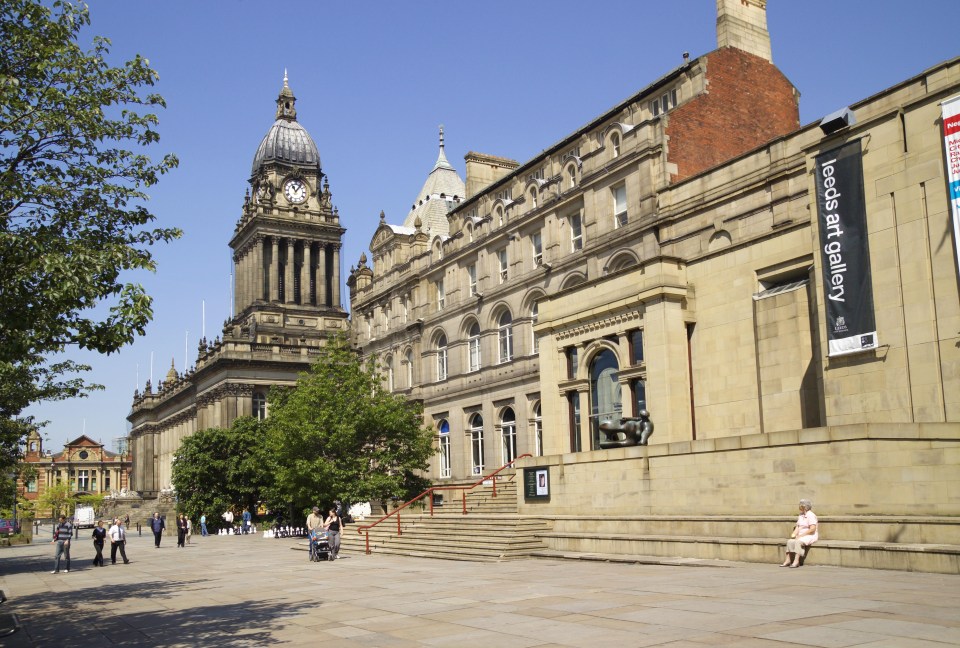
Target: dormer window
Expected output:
[663,103]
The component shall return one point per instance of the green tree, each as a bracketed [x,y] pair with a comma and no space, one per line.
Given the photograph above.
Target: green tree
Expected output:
[56,500]
[216,469]
[340,435]
[72,180]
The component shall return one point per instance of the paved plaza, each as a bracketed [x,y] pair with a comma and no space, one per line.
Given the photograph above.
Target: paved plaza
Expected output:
[250,591]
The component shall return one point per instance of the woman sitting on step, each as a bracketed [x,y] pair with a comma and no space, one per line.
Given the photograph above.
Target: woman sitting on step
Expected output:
[804,534]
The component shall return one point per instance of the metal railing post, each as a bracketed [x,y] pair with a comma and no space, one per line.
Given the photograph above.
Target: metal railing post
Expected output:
[463,492]
[399,530]
[367,534]
[430,495]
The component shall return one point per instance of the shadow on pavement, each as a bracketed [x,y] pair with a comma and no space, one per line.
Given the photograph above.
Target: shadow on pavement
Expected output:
[134,614]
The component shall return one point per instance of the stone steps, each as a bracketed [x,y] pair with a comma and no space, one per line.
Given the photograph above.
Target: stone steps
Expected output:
[490,531]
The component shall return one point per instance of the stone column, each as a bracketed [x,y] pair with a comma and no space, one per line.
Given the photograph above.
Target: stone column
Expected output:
[275,269]
[668,390]
[288,273]
[258,268]
[335,278]
[321,274]
[305,275]
[237,280]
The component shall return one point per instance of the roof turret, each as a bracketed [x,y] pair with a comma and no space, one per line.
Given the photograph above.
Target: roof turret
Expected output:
[287,141]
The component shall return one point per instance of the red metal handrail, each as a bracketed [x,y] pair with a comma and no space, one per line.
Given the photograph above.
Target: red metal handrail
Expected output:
[365,529]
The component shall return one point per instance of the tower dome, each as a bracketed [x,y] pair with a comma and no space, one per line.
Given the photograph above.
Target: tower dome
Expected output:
[287,141]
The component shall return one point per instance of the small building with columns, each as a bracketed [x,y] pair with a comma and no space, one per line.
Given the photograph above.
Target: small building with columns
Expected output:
[286,255]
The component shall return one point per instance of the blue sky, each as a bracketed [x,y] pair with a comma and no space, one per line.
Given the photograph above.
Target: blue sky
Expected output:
[374,80]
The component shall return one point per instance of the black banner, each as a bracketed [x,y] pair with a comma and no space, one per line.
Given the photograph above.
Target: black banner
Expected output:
[536,482]
[844,252]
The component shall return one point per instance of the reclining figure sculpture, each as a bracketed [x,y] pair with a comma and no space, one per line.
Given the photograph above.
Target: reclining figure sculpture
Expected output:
[630,431]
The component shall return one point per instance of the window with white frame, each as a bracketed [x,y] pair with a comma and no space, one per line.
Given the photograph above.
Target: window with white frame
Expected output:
[664,102]
[502,262]
[441,358]
[473,347]
[409,358]
[445,454]
[499,214]
[83,480]
[508,435]
[476,444]
[505,336]
[389,366]
[472,279]
[405,308]
[620,205]
[572,176]
[576,232]
[259,405]
[538,431]
[533,197]
[615,144]
[441,295]
[536,242]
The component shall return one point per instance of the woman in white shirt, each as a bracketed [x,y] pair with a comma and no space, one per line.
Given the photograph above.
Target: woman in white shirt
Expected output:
[804,534]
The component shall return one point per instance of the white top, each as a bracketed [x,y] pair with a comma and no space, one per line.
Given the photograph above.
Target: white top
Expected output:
[804,523]
[116,533]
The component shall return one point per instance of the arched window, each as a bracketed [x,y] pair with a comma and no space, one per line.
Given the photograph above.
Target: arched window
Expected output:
[445,455]
[409,359]
[508,435]
[572,177]
[476,443]
[441,358]
[389,366]
[533,198]
[473,347]
[534,315]
[259,405]
[469,229]
[538,430]
[505,337]
[615,144]
[499,213]
[605,401]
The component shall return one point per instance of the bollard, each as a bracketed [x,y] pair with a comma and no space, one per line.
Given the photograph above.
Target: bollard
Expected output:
[139,531]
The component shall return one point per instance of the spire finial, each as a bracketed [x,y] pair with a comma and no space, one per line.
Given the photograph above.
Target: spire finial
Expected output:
[285,85]
[441,137]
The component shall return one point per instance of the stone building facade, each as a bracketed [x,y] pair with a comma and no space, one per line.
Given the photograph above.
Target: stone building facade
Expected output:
[84,465]
[666,257]
[286,253]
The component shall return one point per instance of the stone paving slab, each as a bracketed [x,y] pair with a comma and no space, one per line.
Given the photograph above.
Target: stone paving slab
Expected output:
[250,591]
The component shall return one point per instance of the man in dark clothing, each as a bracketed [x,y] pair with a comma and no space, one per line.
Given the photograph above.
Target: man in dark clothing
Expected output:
[61,536]
[157,525]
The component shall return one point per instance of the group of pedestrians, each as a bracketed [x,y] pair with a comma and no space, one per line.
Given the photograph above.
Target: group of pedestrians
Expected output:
[332,524]
[63,534]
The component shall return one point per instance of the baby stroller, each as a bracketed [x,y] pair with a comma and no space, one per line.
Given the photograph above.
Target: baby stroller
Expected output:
[319,546]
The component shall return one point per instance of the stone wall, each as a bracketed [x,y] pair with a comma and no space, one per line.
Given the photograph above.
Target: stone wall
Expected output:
[866,469]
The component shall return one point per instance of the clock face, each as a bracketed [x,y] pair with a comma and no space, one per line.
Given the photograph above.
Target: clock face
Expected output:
[295,191]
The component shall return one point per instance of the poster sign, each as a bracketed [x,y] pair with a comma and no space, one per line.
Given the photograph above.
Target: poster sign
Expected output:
[844,252]
[951,149]
[536,482]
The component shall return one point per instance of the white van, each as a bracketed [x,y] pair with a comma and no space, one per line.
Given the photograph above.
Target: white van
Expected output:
[84,517]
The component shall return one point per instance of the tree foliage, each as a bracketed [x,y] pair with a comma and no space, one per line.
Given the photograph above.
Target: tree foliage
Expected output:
[216,469]
[56,500]
[340,435]
[72,184]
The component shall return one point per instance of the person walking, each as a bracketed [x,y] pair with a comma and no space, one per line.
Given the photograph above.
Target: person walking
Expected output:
[118,541]
[181,530]
[157,525]
[61,537]
[203,525]
[99,537]
[246,521]
[332,525]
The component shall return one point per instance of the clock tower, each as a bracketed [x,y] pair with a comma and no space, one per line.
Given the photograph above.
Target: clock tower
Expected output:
[286,245]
